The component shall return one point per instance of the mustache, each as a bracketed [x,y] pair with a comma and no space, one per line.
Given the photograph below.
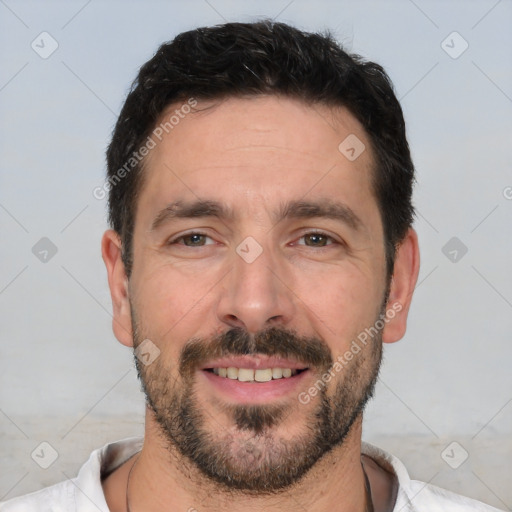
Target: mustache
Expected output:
[274,341]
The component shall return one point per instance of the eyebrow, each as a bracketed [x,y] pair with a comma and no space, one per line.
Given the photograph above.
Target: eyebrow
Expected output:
[321,208]
[189,210]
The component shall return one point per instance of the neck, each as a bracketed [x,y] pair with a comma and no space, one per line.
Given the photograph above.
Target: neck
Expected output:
[161,479]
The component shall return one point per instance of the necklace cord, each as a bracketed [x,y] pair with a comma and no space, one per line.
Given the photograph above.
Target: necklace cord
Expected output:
[369,500]
[128,484]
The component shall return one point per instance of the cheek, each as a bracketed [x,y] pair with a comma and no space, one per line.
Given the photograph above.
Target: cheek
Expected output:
[340,302]
[170,301]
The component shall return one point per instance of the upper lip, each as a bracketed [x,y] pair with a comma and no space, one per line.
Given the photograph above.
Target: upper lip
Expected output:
[255,362]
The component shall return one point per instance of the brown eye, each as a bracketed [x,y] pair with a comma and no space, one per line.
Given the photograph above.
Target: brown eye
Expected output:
[193,240]
[317,240]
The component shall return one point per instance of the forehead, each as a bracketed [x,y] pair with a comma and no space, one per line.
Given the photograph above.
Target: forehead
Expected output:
[257,150]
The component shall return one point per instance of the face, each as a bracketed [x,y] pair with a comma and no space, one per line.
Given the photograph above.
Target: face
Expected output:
[258,261]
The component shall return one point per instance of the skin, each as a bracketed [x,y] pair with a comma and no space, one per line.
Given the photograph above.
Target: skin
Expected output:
[253,155]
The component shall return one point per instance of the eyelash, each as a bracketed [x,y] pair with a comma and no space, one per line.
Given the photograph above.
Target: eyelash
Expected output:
[331,239]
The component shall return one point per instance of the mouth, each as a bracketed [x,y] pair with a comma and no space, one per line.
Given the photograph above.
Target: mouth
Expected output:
[252,375]
[253,380]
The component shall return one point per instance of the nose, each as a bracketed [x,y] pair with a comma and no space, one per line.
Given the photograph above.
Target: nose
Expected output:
[255,294]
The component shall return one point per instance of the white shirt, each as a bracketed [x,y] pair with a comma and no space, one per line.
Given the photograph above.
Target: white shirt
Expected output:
[85,493]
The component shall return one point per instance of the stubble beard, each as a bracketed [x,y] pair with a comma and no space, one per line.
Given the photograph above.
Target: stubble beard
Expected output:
[251,455]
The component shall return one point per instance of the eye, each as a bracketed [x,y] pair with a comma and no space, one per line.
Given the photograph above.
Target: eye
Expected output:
[316,239]
[192,240]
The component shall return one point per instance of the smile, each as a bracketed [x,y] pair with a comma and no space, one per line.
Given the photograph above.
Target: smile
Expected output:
[255,375]
[253,379]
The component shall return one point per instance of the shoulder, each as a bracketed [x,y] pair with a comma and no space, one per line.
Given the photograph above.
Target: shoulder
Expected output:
[85,491]
[431,498]
[416,496]
[57,498]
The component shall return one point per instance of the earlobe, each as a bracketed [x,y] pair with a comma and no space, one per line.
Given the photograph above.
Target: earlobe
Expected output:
[405,276]
[111,251]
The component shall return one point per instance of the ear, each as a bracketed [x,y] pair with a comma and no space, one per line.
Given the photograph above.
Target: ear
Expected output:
[118,283]
[403,282]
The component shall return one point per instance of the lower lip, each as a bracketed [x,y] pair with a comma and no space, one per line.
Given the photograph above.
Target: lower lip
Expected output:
[255,392]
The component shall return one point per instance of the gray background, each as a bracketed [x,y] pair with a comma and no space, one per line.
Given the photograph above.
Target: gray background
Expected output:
[65,380]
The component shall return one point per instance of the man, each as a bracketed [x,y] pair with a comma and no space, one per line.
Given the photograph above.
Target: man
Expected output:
[261,252]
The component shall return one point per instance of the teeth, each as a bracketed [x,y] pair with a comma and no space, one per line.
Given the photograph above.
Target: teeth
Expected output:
[250,375]
[263,375]
[277,373]
[245,375]
[232,373]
